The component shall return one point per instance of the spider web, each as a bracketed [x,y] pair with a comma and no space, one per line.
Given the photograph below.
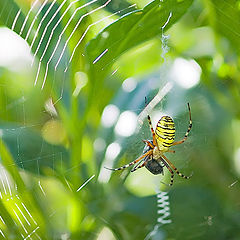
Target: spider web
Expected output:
[56,56]
[22,212]
[52,52]
[46,58]
[163,204]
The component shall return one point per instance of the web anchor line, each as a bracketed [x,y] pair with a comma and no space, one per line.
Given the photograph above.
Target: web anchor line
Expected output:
[164,38]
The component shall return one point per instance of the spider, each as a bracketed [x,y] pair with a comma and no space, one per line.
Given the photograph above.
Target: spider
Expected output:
[153,157]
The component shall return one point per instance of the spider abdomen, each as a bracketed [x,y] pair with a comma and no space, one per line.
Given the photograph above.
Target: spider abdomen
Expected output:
[154,167]
[165,133]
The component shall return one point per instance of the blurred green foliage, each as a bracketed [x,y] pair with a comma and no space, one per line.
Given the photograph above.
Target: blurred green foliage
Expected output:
[49,150]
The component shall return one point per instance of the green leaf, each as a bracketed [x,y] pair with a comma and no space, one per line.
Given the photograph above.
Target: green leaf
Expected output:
[41,30]
[114,6]
[225,18]
[131,30]
[8,11]
[12,228]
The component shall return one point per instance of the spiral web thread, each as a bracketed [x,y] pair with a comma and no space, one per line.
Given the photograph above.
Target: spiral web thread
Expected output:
[163,204]
[21,213]
[9,192]
[55,54]
[48,55]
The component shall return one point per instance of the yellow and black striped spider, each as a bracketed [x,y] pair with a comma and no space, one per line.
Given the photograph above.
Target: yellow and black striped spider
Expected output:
[153,154]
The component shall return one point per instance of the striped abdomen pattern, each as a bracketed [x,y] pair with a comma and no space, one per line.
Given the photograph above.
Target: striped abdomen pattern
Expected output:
[165,132]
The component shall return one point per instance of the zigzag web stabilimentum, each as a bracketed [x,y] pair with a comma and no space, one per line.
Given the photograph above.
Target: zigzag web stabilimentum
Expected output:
[166,88]
[163,204]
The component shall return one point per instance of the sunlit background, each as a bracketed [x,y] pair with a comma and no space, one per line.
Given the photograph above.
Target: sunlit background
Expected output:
[77,81]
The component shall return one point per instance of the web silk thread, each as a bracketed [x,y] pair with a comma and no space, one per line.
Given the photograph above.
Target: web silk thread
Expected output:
[163,205]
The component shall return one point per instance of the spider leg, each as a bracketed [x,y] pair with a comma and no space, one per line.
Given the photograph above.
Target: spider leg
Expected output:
[175,169]
[139,166]
[189,129]
[170,170]
[133,162]
[148,143]
[172,175]
[153,133]
[150,124]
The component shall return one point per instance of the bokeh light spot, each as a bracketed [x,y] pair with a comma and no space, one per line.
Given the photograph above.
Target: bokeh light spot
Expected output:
[15,52]
[129,84]
[126,124]
[237,160]
[186,72]
[53,132]
[110,115]
[99,144]
[112,151]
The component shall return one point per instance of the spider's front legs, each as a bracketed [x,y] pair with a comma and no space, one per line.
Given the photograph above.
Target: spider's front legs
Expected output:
[153,133]
[148,143]
[189,128]
[133,162]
